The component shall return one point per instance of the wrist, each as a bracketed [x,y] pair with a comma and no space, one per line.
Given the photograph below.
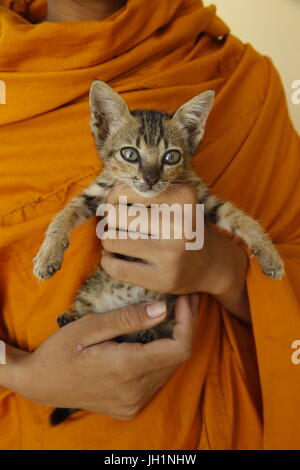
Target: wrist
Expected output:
[228,273]
[11,373]
[226,264]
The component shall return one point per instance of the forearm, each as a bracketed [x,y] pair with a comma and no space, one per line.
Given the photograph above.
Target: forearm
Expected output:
[9,372]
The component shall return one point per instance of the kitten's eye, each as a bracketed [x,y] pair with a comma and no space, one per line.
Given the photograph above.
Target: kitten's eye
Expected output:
[171,157]
[130,155]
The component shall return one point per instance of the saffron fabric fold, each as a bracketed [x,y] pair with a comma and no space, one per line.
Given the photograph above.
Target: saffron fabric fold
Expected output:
[32,10]
[240,389]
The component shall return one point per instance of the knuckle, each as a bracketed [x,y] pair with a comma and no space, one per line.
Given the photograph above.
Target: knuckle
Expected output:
[129,404]
[131,408]
[134,398]
[128,415]
[130,318]
[125,319]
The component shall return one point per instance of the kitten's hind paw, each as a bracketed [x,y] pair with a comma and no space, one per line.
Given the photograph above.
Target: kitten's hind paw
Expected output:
[270,263]
[61,414]
[147,336]
[65,318]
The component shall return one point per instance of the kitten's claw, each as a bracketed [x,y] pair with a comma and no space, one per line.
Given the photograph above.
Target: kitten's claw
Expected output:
[49,259]
[270,262]
[52,268]
[274,273]
[45,271]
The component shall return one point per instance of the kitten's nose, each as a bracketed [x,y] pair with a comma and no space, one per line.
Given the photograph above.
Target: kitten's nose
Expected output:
[151,181]
[151,178]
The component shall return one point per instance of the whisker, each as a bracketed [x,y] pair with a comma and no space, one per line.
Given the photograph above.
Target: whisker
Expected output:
[175,187]
[179,181]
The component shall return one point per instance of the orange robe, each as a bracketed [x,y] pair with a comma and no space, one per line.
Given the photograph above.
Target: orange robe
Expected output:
[240,389]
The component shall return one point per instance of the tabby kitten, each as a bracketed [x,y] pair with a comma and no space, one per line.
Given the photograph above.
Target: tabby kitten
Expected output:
[149,150]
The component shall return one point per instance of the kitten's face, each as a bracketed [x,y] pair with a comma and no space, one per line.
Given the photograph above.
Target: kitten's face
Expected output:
[148,150]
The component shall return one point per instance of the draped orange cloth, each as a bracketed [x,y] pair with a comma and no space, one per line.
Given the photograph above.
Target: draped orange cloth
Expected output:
[240,389]
[32,10]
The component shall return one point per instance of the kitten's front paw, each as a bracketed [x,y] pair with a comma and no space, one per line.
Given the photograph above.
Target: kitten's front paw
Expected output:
[270,262]
[49,260]
[65,319]
[45,270]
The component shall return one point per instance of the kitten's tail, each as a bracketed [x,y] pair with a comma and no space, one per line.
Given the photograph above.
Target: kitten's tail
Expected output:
[61,414]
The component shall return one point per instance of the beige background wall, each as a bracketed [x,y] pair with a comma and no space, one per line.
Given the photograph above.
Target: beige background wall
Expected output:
[273,28]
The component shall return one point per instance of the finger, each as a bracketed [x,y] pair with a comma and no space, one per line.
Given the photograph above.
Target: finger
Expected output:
[185,322]
[99,327]
[137,248]
[162,221]
[168,352]
[132,272]
[133,218]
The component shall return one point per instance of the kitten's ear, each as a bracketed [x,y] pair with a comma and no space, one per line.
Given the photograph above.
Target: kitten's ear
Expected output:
[108,111]
[191,117]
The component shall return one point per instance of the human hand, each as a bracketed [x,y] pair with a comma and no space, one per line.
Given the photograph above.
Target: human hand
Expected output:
[167,266]
[219,268]
[81,366]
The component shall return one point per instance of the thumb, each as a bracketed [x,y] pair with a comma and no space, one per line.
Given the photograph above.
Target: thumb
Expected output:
[99,327]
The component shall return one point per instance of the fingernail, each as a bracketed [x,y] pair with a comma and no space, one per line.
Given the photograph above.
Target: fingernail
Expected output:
[156,309]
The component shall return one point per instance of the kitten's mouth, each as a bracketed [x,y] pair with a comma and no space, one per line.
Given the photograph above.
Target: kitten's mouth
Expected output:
[141,187]
[144,189]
